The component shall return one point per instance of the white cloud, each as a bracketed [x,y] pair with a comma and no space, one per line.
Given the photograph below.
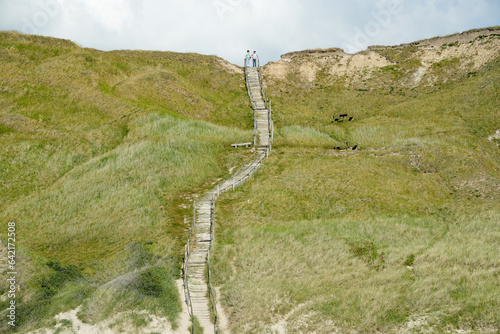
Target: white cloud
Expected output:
[112,15]
[229,27]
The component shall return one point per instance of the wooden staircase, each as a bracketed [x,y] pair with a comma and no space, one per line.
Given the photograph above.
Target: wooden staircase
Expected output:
[196,264]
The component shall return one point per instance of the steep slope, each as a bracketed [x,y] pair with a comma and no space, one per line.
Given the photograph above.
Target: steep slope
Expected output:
[398,236]
[102,154]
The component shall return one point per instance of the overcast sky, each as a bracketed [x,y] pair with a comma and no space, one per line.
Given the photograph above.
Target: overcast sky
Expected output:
[228,28]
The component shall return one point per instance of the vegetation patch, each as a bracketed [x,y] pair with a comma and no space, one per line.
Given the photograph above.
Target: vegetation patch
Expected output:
[393,70]
[445,62]
[4,129]
[49,286]
[368,252]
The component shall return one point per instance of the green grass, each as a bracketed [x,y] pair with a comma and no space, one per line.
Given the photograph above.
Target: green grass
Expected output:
[129,189]
[73,104]
[102,151]
[197,327]
[403,231]
[333,233]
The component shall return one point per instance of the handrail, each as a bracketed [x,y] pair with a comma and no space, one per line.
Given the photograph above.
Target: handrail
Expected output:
[262,89]
[268,105]
[252,100]
[187,252]
[246,171]
[210,289]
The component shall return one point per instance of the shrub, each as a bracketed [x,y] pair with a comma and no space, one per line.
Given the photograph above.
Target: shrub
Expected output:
[62,274]
[410,260]
[151,281]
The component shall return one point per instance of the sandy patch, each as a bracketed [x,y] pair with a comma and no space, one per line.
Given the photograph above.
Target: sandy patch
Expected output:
[418,76]
[477,54]
[496,135]
[231,68]
[277,70]
[474,49]
[297,320]
[223,320]
[357,63]
[308,71]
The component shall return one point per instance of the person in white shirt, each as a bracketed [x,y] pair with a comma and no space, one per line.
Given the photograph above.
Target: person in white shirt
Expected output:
[254,58]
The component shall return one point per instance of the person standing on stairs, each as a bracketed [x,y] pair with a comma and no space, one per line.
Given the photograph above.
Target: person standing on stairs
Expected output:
[254,58]
[248,56]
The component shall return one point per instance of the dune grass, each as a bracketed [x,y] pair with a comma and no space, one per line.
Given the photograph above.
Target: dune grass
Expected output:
[333,246]
[101,153]
[308,272]
[62,105]
[137,192]
[104,152]
[399,236]
[129,190]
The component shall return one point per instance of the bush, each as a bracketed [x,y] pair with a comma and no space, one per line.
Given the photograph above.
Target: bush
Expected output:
[410,260]
[51,285]
[152,280]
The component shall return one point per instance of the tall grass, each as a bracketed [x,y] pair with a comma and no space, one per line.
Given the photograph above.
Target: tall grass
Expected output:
[70,104]
[303,137]
[130,194]
[398,236]
[302,217]
[102,151]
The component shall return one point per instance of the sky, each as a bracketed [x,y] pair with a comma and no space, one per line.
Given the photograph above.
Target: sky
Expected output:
[227,28]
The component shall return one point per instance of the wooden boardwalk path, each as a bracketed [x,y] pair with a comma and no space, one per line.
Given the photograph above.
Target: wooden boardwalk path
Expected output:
[261,107]
[196,266]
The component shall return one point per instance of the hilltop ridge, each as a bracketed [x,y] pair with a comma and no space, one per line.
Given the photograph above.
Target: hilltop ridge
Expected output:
[407,65]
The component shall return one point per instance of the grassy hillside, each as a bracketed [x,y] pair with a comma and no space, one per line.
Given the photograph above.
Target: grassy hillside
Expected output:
[102,154]
[400,236]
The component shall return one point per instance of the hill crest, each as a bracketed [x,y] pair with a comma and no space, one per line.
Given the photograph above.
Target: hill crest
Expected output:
[410,64]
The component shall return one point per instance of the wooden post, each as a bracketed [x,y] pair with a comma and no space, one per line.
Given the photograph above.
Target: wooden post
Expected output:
[194,212]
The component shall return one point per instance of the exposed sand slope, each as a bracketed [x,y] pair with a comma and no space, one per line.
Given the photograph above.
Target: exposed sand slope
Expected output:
[473,49]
